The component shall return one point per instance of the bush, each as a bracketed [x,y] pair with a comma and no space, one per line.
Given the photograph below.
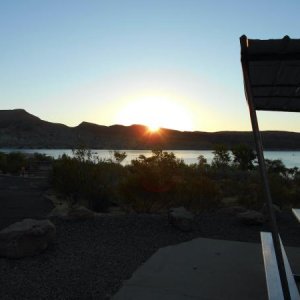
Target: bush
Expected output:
[3,162]
[284,191]
[85,182]
[13,162]
[221,157]
[163,181]
[150,181]
[41,157]
[275,166]
[243,157]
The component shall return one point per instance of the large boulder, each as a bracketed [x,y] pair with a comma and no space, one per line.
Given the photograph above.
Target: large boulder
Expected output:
[26,238]
[73,213]
[251,217]
[80,213]
[232,210]
[181,218]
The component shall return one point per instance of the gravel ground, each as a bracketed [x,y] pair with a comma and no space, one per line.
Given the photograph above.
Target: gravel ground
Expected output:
[90,259]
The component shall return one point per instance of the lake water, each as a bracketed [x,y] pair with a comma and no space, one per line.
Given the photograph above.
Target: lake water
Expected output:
[290,158]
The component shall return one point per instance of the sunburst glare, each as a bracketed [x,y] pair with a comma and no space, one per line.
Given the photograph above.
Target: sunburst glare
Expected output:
[155,112]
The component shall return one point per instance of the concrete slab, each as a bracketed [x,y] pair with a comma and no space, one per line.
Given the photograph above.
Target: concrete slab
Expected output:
[202,269]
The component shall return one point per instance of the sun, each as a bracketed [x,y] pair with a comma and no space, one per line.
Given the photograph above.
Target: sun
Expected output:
[155,112]
[153,128]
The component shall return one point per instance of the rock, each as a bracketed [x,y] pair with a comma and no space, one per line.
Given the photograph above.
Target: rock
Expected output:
[26,238]
[67,212]
[229,200]
[59,212]
[232,210]
[80,213]
[251,217]
[181,218]
[116,210]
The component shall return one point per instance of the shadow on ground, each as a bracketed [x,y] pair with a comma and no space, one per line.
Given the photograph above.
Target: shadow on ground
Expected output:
[22,197]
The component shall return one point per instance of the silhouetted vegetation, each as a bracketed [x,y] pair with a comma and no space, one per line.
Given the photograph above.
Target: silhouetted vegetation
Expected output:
[161,181]
[87,180]
[19,163]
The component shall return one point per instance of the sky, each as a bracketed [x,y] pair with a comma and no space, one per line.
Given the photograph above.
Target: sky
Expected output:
[166,63]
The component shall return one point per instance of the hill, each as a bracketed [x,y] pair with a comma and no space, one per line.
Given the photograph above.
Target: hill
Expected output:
[20,129]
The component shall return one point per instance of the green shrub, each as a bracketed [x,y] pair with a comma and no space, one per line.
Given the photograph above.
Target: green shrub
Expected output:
[221,157]
[85,182]
[283,191]
[150,181]
[251,195]
[163,181]
[198,194]
[243,157]
[13,162]
[38,157]
[3,162]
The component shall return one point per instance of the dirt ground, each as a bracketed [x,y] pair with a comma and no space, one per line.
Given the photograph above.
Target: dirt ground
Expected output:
[22,197]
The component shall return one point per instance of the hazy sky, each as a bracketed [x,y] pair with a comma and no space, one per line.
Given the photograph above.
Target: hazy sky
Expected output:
[167,62]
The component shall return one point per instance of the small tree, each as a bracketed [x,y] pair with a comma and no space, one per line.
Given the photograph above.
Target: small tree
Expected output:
[82,153]
[202,163]
[119,156]
[243,157]
[221,157]
[276,166]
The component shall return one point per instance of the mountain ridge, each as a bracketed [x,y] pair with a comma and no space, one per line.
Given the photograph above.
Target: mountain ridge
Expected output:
[20,129]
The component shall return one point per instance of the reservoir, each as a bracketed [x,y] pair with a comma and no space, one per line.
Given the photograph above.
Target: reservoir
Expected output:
[289,158]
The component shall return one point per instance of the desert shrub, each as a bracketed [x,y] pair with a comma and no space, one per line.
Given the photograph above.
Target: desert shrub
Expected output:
[276,166]
[293,197]
[3,162]
[250,194]
[85,182]
[103,188]
[281,190]
[163,181]
[284,190]
[13,162]
[243,157]
[150,181]
[198,194]
[296,176]
[202,163]
[221,159]
[41,157]
[118,156]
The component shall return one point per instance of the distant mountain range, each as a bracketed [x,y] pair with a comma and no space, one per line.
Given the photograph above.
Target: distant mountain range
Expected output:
[20,129]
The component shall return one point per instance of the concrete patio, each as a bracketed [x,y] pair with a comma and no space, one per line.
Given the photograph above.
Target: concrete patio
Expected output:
[203,269]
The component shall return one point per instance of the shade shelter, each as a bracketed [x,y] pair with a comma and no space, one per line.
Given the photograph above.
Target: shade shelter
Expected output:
[271,71]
